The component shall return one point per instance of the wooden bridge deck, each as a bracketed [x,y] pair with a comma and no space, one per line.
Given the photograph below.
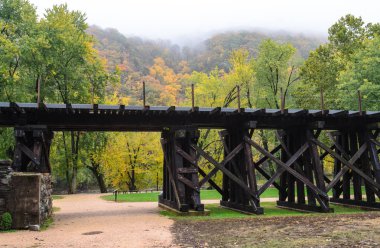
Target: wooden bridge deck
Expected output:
[99,117]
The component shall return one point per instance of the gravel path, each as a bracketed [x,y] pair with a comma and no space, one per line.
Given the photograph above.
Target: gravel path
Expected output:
[85,220]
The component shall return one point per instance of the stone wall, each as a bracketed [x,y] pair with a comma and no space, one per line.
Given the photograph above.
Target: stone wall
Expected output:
[27,196]
[46,201]
[5,177]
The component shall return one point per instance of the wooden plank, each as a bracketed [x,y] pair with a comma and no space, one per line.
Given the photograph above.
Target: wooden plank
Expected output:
[265,158]
[188,183]
[286,167]
[279,171]
[167,163]
[229,157]
[29,153]
[251,167]
[316,163]
[349,164]
[225,171]
[210,181]
[356,179]
[187,170]
[366,166]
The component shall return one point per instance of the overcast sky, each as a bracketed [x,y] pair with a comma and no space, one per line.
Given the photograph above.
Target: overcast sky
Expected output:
[179,19]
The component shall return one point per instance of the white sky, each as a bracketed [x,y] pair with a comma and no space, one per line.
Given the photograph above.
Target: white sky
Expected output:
[181,19]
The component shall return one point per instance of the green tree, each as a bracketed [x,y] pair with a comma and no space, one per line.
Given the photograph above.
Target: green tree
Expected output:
[18,20]
[275,70]
[362,73]
[319,72]
[72,73]
[324,66]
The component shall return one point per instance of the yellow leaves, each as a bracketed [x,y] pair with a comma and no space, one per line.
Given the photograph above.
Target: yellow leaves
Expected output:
[127,152]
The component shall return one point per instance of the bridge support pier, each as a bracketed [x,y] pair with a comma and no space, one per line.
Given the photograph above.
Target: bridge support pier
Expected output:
[356,168]
[32,149]
[299,168]
[239,185]
[181,190]
[303,186]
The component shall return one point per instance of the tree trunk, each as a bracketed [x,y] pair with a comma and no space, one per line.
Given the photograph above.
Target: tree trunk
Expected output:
[99,177]
[133,180]
[74,157]
[68,168]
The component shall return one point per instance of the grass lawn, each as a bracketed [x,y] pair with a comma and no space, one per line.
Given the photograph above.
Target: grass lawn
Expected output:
[153,196]
[57,197]
[270,210]
[205,195]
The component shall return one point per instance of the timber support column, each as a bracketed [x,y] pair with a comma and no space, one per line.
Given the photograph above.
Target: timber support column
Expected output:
[32,149]
[181,190]
[301,172]
[239,179]
[356,168]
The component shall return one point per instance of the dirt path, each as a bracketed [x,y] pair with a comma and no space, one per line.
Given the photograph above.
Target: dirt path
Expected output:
[121,225]
[346,230]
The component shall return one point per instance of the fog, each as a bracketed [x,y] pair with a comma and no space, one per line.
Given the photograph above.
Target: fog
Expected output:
[182,21]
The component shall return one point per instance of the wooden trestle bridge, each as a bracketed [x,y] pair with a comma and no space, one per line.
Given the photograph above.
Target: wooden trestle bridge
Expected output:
[299,177]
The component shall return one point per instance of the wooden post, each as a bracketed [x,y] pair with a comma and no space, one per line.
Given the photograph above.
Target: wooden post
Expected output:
[192,98]
[322,102]
[38,91]
[238,97]
[360,102]
[144,102]
[282,101]
[157,181]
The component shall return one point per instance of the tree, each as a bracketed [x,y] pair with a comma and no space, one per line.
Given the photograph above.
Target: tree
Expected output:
[349,33]
[94,146]
[319,72]
[362,73]
[18,20]
[71,68]
[275,70]
[132,160]
[169,82]
[322,70]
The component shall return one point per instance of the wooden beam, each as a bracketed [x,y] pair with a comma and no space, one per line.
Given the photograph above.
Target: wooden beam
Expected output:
[226,172]
[287,168]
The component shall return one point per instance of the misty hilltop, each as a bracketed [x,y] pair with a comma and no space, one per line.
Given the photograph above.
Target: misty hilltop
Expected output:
[202,55]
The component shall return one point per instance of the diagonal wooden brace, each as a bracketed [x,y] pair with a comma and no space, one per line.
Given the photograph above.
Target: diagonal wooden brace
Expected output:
[349,164]
[287,168]
[226,172]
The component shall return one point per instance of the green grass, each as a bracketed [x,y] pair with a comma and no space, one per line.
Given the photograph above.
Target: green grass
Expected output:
[153,196]
[48,222]
[205,195]
[270,210]
[57,197]
[8,231]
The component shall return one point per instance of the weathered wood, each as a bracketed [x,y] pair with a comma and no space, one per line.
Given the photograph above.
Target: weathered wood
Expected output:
[211,182]
[181,169]
[349,164]
[366,166]
[230,156]
[168,170]
[225,171]
[286,167]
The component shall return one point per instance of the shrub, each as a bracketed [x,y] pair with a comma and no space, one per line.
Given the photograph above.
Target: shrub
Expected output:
[6,221]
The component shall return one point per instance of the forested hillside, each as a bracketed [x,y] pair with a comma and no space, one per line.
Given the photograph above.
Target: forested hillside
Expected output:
[137,54]
[75,63]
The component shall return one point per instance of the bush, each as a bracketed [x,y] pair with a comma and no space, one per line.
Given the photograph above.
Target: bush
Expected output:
[6,221]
